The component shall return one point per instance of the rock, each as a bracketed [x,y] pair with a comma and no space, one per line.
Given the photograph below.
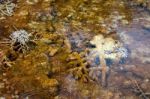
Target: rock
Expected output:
[51,28]
[72,56]
[144,86]
[67,43]
[117,96]
[53,51]
[23,13]
[146,80]
[31,2]
[1,55]
[2,85]
[57,97]
[52,85]
[2,98]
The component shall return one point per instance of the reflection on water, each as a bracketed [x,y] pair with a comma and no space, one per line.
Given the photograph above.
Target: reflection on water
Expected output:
[136,37]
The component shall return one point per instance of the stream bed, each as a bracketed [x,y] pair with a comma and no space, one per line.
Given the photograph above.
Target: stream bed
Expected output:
[74,49]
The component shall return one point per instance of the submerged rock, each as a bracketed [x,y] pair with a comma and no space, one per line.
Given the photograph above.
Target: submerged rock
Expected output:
[53,51]
[32,1]
[52,85]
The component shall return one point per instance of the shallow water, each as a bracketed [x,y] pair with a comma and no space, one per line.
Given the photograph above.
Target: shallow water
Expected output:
[76,49]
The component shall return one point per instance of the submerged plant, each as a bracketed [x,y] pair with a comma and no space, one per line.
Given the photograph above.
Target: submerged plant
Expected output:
[139,91]
[105,48]
[7,7]
[108,48]
[19,40]
[79,70]
[20,36]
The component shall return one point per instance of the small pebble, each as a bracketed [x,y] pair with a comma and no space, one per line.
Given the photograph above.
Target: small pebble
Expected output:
[2,98]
